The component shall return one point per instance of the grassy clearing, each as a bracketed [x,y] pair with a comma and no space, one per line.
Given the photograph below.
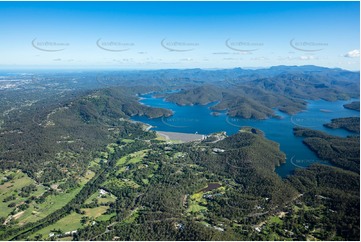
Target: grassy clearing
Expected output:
[89,175]
[95,212]
[197,196]
[132,217]
[101,198]
[121,170]
[12,187]
[35,211]
[116,184]
[195,208]
[111,147]
[133,158]
[104,155]
[145,181]
[275,219]
[51,204]
[127,141]
[73,221]
[160,137]
[105,217]
[197,203]
[179,155]
[194,203]
[68,223]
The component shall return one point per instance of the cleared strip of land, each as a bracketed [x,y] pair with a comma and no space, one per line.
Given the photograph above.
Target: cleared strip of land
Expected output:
[184,137]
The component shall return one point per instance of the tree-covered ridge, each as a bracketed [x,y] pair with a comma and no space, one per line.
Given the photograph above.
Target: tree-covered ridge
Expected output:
[351,124]
[353,106]
[343,152]
[335,192]
[248,93]
[65,134]
[257,97]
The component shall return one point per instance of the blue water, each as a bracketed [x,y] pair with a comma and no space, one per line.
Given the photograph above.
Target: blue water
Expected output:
[199,119]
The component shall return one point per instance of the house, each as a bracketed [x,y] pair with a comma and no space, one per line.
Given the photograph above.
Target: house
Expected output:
[217,150]
[102,192]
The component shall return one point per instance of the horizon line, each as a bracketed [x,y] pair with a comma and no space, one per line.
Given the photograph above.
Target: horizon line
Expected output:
[88,68]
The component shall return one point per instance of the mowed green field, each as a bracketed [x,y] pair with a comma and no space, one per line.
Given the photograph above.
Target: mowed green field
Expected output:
[72,222]
[132,158]
[101,198]
[52,203]
[35,211]
[95,212]
[66,224]
[13,187]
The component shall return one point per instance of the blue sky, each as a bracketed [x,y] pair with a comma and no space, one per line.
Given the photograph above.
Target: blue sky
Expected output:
[157,35]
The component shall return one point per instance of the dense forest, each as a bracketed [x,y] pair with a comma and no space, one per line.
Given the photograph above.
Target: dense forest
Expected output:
[49,132]
[173,205]
[75,167]
[343,152]
[351,124]
[257,98]
[336,195]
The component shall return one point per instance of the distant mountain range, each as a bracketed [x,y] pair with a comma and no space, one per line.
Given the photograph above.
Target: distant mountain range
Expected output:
[255,93]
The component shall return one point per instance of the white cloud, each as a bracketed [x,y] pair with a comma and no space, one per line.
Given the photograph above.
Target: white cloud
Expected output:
[297,58]
[307,57]
[186,59]
[353,54]
[259,58]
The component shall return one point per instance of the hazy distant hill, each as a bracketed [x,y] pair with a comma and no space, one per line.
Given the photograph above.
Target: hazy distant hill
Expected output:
[253,93]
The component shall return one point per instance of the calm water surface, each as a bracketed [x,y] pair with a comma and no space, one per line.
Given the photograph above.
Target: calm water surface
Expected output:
[199,119]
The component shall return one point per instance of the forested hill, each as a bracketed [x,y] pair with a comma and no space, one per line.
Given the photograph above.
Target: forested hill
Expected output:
[47,130]
[255,97]
[353,106]
[254,93]
[334,196]
[75,167]
[351,124]
[343,152]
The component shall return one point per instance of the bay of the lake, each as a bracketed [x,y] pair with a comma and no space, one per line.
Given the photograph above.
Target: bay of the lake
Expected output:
[200,119]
